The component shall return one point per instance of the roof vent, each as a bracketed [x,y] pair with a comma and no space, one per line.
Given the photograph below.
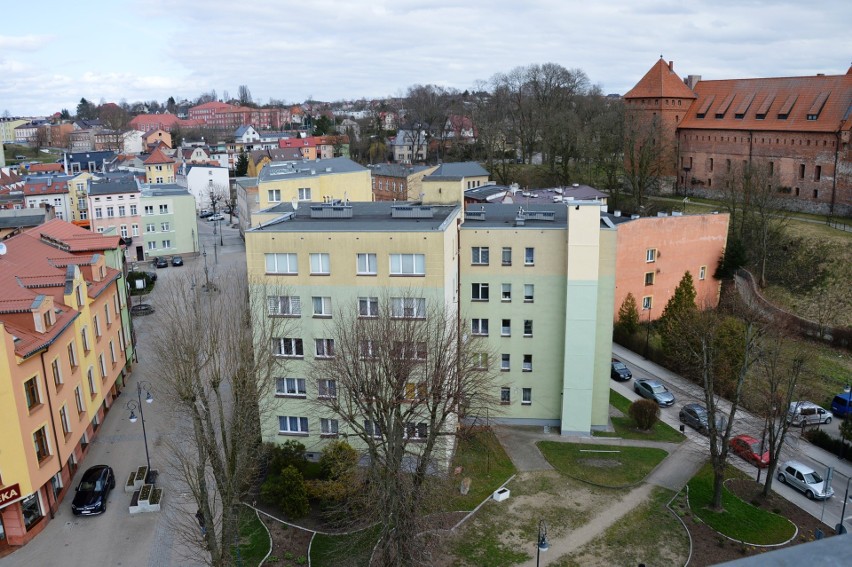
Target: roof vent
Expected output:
[474,215]
[331,211]
[634,217]
[616,213]
[412,212]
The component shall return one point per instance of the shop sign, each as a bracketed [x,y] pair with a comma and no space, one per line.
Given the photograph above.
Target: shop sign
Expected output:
[9,495]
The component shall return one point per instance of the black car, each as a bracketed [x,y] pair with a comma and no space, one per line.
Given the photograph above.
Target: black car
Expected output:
[177,261]
[152,276]
[92,492]
[160,262]
[695,416]
[619,371]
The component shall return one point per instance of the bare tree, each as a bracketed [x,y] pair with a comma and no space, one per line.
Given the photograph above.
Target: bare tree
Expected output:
[218,195]
[244,95]
[401,382]
[214,369]
[646,156]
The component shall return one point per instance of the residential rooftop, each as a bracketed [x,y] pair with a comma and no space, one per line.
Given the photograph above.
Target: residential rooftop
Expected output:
[458,171]
[164,190]
[276,171]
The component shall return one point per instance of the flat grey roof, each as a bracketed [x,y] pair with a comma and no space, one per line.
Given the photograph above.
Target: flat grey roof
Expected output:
[499,215]
[458,170]
[482,192]
[21,217]
[396,169]
[167,189]
[366,217]
[110,187]
[307,168]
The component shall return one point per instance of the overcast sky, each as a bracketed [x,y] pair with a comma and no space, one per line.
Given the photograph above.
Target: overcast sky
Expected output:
[53,53]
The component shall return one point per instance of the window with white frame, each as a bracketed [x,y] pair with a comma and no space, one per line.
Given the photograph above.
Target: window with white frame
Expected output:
[87,346]
[167,244]
[326,388]
[403,350]
[320,264]
[529,256]
[506,328]
[63,418]
[479,292]
[304,193]
[72,355]
[529,293]
[284,305]
[150,227]
[152,245]
[528,327]
[407,264]
[165,227]
[78,398]
[647,302]
[505,396]
[57,372]
[416,431]
[372,428]
[290,387]
[479,327]
[505,362]
[651,255]
[133,210]
[110,212]
[368,306]
[480,360]
[506,292]
[124,231]
[367,349]
[102,365]
[90,378]
[324,348]
[479,256]
[366,264]
[507,256]
[164,209]
[149,209]
[281,263]
[292,425]
[99,214]
[108,314]
[328,427]
[112,351]
[97,323]
[134,229]
[526,396]
[288,347]
[122,211]
[702,272]
[408,307]
[274,195]
[322,306]
[527,365]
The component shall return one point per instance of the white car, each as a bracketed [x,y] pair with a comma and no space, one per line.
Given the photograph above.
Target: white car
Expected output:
[216,217]
[804,479]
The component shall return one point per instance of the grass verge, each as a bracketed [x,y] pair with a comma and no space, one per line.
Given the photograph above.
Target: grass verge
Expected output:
[344,550]
[739,520]
[626,429]
[483,459]
[614,466]
[254,541]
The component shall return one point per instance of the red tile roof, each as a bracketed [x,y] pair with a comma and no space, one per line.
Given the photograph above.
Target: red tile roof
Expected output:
[157,156]
[660,82]
[44,167]
[75,238]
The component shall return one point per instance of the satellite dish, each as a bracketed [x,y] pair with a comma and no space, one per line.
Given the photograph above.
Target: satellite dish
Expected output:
[2,249]
[295,203]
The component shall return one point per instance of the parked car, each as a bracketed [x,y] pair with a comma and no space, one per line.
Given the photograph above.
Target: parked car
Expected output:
[804,479]
[216,217]
[92,492]
[654,390]
[695,416]
[204,213]
[841,405]
[160,262]
[806,413]
[748,448]
[152,276]
[619,371]
[177,261]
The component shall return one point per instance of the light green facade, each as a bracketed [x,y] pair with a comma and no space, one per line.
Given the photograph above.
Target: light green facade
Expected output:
[168,221]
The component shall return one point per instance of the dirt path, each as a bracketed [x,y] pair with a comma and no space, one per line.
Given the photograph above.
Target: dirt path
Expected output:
[607,517]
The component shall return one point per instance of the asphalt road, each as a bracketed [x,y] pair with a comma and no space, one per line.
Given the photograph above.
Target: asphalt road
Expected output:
[745,423]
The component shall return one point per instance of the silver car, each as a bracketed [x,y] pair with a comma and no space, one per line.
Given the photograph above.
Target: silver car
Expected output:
[804,479]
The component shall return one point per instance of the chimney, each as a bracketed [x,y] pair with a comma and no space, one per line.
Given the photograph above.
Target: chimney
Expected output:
[671,66]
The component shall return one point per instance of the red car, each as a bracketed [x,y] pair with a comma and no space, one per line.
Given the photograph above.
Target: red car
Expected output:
[749,449]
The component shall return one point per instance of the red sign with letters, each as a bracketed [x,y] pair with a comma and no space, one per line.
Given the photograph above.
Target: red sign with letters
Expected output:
[9,495]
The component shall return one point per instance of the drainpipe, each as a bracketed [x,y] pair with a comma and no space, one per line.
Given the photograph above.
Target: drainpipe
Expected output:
[53,427]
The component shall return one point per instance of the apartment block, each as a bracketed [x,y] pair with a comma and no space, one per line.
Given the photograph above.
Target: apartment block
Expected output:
[313,181]
[167,221]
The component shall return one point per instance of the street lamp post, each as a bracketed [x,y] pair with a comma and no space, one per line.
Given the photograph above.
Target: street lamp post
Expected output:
[134,405]
[542,544]
[206,276]
[840,528]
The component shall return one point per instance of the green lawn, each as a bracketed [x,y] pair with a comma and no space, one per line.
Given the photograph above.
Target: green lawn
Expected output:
[483,459]
[254,540]
[343,550]
[739,520]
[613,466]
[626,429]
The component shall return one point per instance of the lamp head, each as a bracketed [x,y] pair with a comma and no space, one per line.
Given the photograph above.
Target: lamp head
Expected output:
[133,417]
[148,397]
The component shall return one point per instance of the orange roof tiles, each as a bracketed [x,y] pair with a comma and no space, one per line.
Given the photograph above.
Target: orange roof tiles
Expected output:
[77,239]
[157,157]
[660,82]
[45,167]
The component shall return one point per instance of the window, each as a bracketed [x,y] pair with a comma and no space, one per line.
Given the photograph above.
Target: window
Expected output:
[31,509]
[526,396]
[165,227]
[366,265]
[99,214]
[167,243]
[416,430]
[57,372]
[480,360]
[281,264]
[86,345]
[479,292]
[31,391]
[505,362]
[112,352]
[78,397]
[97,322]
[506,292]
[108,314]
[415,390]
[304,193]
[529,293]
[322,306]
[651,255]
[284,305]
[529,256]
[149,209]
[124,231]
[328,426]
[647,302]
[479,327]
[133,210]
[702,272]
[711,164]
[320,264]
[110,212]
[408,307]
[372,428]
[505,396]
[151,227]
[63,418]
[479,256]
[409,351]
[528,327]
[368,306]
[527,366]
[102,365]
[291,424]
[274,195]
[506,328]
[407,264]
[152,245]
[367,349]
[325,348]
[507,256]
[134,229]
[290,387]
[42,449]
[817,172]
[327,388]
[164,209]
[288,346]
[649,278]
[801,171]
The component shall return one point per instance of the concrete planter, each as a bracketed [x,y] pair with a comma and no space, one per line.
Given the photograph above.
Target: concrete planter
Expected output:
[501,494]
[130,485]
